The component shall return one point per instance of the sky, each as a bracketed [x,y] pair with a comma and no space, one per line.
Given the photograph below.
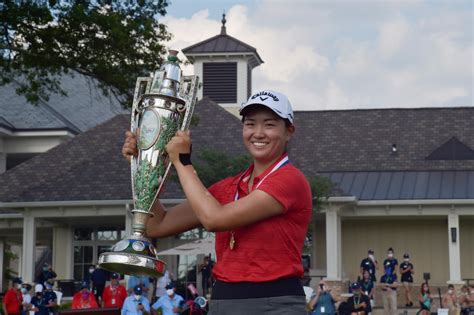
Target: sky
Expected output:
[351,54]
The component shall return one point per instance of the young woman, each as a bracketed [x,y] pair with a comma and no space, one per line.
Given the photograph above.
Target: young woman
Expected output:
[260,216]
[425,299]
[406,273]
[367,287]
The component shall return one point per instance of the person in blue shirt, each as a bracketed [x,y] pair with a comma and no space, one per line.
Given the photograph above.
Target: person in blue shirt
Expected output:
[389,285]
[44,301]
[171,303]
[98,278]
[391,262]
[136,304]
[323,301]
[369,264]
[142,281]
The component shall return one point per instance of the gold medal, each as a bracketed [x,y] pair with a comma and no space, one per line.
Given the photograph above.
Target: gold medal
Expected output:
[232,241]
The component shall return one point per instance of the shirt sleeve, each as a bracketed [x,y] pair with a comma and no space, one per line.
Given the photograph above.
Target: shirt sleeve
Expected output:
[146,305]
[157,304]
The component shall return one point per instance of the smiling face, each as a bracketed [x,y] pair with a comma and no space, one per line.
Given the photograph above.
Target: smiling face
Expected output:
[265,134]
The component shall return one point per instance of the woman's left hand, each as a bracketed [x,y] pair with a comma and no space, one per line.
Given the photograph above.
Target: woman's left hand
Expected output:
[179,144]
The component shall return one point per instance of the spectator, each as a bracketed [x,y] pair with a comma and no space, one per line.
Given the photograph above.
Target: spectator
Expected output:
[46,274]
[38,303]
[206,269]
[389,284]
[88,277]
[391,261]
[161,284]
[13,300]
[406,275]
[367,286]
[136,304]
[450,301]
[114,294]
[49,296]
[358,303]
[25,293]
[171,304]
[467,300]
[370,264]
[98,279]
[84,299]
[142,281]
[425,300]
[323,301]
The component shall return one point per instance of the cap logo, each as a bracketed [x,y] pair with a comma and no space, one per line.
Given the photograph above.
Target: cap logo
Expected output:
[264,93]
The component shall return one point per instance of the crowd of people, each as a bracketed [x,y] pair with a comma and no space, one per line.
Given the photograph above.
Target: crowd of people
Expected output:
[95,292]
[394,277]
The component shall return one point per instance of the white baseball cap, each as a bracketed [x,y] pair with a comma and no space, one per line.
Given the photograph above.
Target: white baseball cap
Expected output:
[276,101]
[38,288]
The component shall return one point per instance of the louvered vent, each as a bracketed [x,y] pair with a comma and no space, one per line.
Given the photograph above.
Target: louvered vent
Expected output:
[220,81]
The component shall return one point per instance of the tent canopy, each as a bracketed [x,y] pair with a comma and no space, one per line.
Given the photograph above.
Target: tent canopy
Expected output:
[197,247]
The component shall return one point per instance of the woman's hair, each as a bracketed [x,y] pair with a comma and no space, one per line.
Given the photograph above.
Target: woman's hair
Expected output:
[423,285]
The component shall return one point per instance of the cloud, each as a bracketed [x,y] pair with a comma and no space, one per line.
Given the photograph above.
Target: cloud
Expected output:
[334,55]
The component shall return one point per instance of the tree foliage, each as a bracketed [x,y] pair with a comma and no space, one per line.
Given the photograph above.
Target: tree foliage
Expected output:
[213,166]
[113,42]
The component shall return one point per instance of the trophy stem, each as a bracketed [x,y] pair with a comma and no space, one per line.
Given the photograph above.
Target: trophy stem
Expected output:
[139,221]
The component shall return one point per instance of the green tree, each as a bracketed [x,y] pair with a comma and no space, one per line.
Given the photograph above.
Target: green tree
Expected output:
[111,41]
[213,166]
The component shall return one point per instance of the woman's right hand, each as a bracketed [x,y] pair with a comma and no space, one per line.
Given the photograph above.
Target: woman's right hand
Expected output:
[130,148]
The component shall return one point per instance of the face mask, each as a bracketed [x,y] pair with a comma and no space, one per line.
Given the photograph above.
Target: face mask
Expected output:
[49,287]
[450,291]
[24,291]
[85,295]
[45,269]
[170,292]
[390,255]
[137,297]
[18,286]
[406,259]
[91,270]
[371,257]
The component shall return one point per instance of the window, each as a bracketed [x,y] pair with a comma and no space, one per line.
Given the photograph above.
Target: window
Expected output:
[89,243]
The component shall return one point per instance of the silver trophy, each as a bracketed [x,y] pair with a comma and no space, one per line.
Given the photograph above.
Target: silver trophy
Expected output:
[162,105]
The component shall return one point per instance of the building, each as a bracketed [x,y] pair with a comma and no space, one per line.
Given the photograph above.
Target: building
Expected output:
[225,65]
[403,178]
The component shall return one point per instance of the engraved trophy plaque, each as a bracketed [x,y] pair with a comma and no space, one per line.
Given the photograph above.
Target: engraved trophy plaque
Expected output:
[162,105]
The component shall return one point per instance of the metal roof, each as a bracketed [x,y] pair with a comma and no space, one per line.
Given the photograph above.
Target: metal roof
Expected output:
[405,185]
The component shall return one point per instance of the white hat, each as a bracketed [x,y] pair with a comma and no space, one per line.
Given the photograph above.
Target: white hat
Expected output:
[277,102]
[38,288]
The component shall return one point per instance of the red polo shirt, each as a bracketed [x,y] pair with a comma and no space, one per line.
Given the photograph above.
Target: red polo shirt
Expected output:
[270,249]
[114,297]
[13,299]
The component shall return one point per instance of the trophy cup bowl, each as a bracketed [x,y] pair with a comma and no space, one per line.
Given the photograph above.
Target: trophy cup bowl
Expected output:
[162,105]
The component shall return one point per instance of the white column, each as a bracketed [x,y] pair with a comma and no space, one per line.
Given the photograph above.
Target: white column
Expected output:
[198,70]
[454,249]
[28,248]
[242,68]
[2,254]
[333,245]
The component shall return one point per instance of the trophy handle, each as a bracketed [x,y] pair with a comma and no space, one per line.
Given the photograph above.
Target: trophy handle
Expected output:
[188,91]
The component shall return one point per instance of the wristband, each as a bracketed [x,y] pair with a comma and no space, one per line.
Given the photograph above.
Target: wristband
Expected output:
[185,158]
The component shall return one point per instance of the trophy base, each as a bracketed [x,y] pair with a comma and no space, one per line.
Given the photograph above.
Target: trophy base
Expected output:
[134,255]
